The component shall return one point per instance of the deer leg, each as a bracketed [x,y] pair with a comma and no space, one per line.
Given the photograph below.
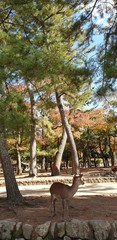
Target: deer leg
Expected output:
[65,204]
[67,208]
[54,206]
[53,200]
[63,212]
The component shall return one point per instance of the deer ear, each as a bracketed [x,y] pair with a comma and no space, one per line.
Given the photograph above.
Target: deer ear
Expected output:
[76,176]
[79,176]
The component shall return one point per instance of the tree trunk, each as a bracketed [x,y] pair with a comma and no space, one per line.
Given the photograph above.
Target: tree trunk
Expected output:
[19,167]
[57,162]
[111,152]
[115,150]
[33,158]
[101,151]
[43,163]
[75,160]
[13,193]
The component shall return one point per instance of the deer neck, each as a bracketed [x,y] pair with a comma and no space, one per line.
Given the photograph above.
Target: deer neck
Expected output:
[74,186]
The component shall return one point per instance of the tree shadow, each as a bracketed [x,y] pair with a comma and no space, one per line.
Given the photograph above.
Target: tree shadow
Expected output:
[36,210]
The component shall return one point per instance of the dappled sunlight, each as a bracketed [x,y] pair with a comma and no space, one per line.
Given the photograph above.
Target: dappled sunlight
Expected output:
[92,201]
[95,207]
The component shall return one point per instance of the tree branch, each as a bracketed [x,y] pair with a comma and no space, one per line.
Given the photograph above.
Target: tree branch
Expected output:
[6,17]
[92,10]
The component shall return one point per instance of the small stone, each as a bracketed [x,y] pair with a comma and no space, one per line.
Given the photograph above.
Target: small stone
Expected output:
[101,229]
[61,229]
[114,230]
[27,231]
[42,230]
[6,229]
[39,238]
[66,238]
[78,229]
[19,239]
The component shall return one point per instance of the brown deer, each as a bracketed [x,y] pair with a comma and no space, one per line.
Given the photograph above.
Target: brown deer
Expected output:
[64,192]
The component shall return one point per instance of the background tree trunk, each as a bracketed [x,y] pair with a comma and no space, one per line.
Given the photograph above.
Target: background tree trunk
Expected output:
[33,158]
[58,159]
[115,150]
[13,193]
[111,151]
[75,160]
[19,167]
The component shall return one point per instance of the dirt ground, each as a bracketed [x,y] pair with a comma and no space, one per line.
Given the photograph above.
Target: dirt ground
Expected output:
[36,210]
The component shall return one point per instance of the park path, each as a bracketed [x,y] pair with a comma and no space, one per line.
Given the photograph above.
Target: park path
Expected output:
[88,189]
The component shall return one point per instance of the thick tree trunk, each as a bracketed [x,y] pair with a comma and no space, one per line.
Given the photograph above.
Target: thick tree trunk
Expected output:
[33,158]
[13,193]
[58,159]
[75,160]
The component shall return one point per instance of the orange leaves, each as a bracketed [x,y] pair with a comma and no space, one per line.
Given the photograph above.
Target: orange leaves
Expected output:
[95,120]
[18,88]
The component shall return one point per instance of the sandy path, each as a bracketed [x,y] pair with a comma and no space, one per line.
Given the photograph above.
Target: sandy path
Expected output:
[84,190]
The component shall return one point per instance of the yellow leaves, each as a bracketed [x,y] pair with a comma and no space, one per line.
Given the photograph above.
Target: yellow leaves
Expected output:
[19,36]
[77,134]
[36,13]
[11,141]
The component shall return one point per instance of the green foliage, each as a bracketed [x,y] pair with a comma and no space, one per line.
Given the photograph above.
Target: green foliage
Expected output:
[107,57]
[13,115]
[46,44]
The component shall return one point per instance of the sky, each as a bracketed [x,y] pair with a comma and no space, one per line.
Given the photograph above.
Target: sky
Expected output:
[101,13]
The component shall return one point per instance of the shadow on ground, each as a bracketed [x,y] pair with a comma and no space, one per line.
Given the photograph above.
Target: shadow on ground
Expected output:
[36,210]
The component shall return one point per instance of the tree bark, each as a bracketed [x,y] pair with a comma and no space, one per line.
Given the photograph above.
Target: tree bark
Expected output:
[58,159]
[115,150]
[19,167]
[111,151]
[33,158]
[75,160]
[13,193]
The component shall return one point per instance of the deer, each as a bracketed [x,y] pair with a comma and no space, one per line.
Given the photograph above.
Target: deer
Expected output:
[64,192]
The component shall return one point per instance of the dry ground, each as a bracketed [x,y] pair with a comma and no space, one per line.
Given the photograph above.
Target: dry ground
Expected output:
[36,210]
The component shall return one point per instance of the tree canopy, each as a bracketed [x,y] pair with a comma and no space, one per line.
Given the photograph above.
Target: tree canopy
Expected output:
[48,50]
